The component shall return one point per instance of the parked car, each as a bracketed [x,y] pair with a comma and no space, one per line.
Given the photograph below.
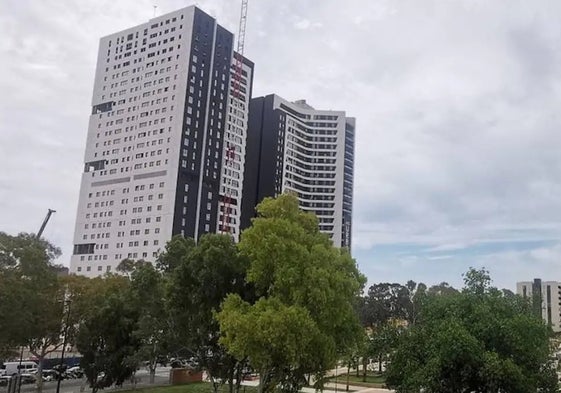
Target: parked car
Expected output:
[13,368]
[162,361]
[4,379]
[75,372]
[176,363]
[28,378]
[49,375]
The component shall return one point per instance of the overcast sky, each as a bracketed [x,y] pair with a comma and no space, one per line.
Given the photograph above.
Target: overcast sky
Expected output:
[458,158]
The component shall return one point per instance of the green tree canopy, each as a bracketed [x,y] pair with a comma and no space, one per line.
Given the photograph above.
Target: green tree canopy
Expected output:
[297,274]
[202,277]
[152,327]
[32,296]
[105,335]
[476,340]
[175,250]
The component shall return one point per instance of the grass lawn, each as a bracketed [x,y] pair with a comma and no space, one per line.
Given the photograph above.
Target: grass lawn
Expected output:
[196,387]
[371,378]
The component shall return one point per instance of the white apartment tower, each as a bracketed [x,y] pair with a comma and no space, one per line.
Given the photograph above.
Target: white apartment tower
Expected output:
[292,147]
[166,140]
[545,297]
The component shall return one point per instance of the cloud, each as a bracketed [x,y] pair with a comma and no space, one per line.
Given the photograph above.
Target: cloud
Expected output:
[306,24]
[456,105]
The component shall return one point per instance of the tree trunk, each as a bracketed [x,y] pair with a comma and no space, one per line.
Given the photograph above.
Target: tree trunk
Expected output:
[40,373]
[364,362]
[152,373]
[261,381]
[380,363]
[348,374]
[40,358]
[215,384]
[153,364]
[357,363]
[231,381]
[239,375]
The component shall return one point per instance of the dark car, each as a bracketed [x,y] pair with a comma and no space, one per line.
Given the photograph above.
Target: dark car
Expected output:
[28,378]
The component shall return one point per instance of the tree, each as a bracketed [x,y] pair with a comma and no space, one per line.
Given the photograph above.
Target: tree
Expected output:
[381,342]
[11,336]
[199,283]
[32,296]
[151,331]
[283,342]
[442,289]
[383,302]
[176,249]
[476,340]
[307,290]
[105,335]
[416,295]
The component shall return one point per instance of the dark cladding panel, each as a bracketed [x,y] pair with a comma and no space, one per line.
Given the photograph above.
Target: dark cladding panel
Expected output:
[252,159]
[271,135]
[219,82]
[185,218]
[264,155]
[348,180]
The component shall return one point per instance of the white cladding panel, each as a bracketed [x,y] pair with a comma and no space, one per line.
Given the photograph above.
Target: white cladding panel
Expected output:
[128,188]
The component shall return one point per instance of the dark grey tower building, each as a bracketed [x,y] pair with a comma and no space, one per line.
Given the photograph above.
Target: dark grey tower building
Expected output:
[294,147]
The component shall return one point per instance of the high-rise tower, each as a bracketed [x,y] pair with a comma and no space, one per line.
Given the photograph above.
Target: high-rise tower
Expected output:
[293,147]
[166,140]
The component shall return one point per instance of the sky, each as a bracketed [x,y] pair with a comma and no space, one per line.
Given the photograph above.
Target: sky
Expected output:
[458,149]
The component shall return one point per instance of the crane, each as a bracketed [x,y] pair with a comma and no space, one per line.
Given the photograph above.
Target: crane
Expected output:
[230,150]
[45,221]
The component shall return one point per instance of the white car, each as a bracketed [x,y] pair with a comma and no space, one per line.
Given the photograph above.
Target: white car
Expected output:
[23,367]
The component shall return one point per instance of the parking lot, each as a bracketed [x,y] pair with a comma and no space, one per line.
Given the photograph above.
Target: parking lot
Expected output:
[142,378]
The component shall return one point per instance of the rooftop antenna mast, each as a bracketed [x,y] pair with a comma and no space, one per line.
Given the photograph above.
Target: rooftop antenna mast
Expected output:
[155,7]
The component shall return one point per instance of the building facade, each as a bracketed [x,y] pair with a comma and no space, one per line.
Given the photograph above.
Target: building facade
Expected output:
[546,300]
[166,140]
[292,147]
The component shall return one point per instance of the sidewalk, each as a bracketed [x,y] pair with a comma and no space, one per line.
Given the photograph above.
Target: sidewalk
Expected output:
[332,387]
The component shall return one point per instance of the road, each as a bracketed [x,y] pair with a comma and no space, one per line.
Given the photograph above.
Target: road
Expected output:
[162,378]
[75,385]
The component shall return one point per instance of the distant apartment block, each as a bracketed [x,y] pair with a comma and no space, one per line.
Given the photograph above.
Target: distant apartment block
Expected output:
[293,147]
[546,299]
[166,141]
